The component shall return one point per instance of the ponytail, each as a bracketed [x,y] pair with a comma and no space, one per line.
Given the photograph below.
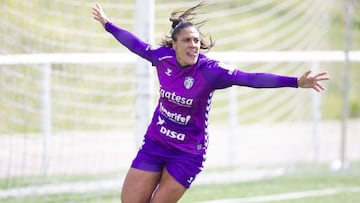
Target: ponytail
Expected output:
[184,19]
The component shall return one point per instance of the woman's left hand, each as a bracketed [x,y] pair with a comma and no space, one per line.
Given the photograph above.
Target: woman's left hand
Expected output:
[308,81]
[99,14]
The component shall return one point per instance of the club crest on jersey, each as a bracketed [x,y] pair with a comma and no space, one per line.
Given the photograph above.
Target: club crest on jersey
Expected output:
[189,82]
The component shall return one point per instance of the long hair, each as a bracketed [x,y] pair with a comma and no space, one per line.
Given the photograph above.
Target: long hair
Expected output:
[184,19]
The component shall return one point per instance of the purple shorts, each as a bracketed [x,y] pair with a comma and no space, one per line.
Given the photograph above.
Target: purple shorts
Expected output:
[182,166]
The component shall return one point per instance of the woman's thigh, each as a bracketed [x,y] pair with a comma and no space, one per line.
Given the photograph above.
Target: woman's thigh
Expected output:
[169,190]
[139,186]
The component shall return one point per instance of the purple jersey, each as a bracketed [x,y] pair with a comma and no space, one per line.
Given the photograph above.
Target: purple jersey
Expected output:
[181,117]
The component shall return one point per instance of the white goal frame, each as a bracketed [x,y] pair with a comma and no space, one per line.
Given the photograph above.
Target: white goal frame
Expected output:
[46,60]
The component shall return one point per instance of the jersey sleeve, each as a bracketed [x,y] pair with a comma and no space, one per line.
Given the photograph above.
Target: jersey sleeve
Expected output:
[221,76]
[133,43]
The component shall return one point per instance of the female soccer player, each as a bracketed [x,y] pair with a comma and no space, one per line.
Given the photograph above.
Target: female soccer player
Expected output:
[176,140]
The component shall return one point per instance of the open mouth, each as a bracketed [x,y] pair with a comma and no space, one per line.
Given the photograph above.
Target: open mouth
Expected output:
[192,54]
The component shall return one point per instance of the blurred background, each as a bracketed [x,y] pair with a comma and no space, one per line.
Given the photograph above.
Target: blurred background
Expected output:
[73,127]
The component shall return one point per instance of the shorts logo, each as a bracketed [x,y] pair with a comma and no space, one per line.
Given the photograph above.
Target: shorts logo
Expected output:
[189,82]
[190,180]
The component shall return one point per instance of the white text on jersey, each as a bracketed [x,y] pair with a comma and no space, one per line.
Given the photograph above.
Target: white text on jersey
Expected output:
[171,96]
[175,117]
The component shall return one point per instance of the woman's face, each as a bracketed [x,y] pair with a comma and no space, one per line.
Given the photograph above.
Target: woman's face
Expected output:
[187,46]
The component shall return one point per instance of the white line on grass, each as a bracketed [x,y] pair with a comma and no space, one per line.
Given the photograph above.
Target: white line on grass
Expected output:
[61,188]
[288,196]
[116,184]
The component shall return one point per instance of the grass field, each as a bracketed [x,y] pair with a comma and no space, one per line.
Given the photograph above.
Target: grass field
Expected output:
[305,178]
[307,183]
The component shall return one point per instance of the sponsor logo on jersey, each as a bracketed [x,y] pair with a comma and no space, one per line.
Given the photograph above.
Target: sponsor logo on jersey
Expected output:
[173,97]
[175,117]
[172,134]
[189,82]
[160,121]
[168,72]
[169,133]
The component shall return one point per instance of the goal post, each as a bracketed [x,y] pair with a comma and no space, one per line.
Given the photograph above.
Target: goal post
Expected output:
[144,28]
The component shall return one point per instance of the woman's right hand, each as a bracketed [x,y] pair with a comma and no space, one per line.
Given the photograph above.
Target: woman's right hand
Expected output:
[99,14]
[307,81]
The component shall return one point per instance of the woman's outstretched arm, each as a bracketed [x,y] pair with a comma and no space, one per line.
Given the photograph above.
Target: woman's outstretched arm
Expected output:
[126,38]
